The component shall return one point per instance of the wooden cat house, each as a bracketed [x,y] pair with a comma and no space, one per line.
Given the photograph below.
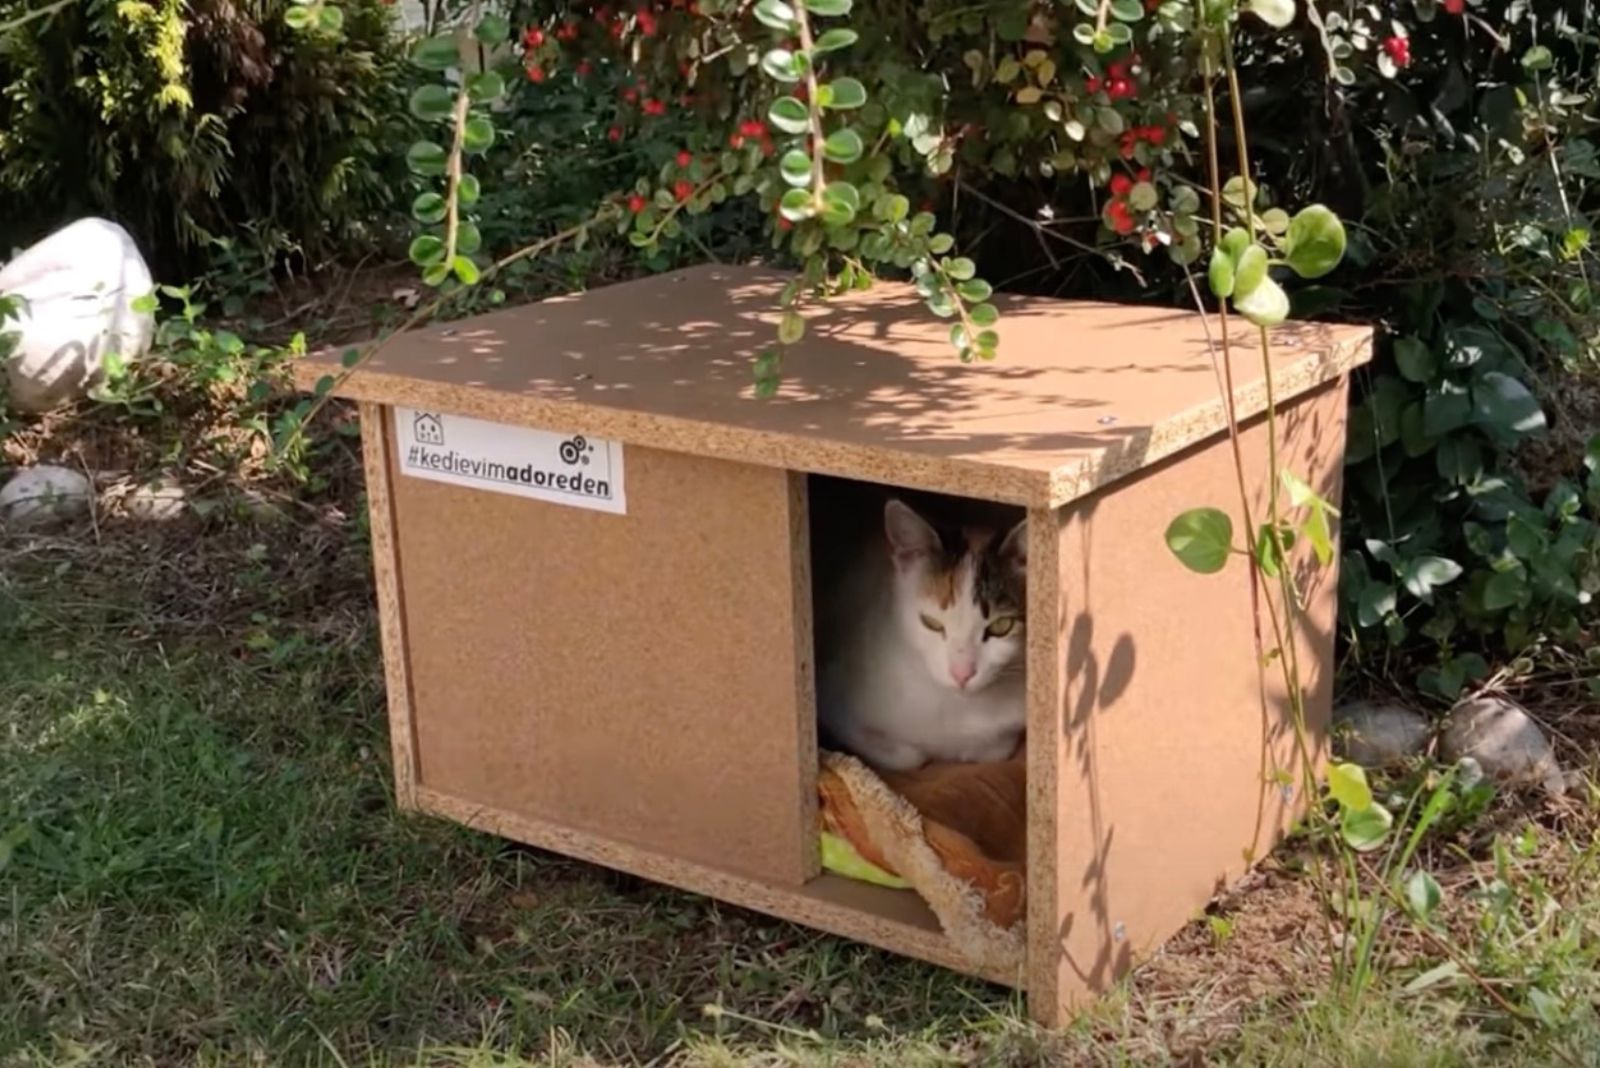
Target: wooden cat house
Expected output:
[593,574]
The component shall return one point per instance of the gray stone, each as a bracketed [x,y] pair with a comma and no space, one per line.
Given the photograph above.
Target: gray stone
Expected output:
[157,502]
[1500,736]
[43,493]
[78,288]
[1377,734]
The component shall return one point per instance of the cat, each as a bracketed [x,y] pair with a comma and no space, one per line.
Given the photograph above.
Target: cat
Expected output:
[922,649]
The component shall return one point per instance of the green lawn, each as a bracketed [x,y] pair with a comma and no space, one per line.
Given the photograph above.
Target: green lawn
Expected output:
[200,863]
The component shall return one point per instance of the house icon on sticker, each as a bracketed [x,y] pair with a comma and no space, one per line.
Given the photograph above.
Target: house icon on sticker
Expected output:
[427,429]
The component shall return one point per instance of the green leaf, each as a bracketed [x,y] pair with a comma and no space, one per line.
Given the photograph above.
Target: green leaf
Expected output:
[828,8]
[1415,359]
[486,87]
[426,250]
[1366,829]
[795,166]
[468,239]
[466,271]
[1315,242]
[1235,241]
[1504,590]
[330,19]
[840,202]
[1266,305]
[467,190]
[975,290]
[1275,13]
[1249,272]
[428,208]
[796,205]
[299,18]
[1201,539]
[1220,274]
[1142,197]
[782,65]
[789,115]
[492,29]
[1537,58]
[351,357]
[1127,10]
[432,103]
[1422,574]
[846,94]
[791,328]
[843,146]
[835,39]
[1375,604]
[984,315]
[960,269]
[1117,33]
[477,135]
[1502,403]
[777,15]
[436,53]
[1347,783]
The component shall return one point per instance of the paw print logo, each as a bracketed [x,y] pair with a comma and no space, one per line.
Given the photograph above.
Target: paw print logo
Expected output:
[576,451]
[427,429]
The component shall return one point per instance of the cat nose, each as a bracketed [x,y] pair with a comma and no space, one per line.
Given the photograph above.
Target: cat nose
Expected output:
[962,673]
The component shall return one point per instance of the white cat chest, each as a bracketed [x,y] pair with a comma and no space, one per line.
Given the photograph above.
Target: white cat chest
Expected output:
[593,570]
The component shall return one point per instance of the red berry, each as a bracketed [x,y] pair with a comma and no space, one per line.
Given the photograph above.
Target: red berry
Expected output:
[631,95]
[1455,7]
[1155,135]
[1117,70]
[1398,49]
[1144,174]
[683,189]
[536,75]
[1121,219]
[685,157]
[753,128]
[1092,85]
[736,141]
[767,147]
[654,107]
[1120,184]
[614,134]
[636,203]
[1120,89]
[533,37]
[584,68]
[784,224]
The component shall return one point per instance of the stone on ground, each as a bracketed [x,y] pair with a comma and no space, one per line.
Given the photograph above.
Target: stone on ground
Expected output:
[1378,734]
[79,286]
[40,494]
[1504,740]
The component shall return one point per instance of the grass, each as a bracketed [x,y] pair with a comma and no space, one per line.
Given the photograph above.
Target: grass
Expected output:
[200,863]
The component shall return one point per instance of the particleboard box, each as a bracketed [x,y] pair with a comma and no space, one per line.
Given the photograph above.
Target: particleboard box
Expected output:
[592,557]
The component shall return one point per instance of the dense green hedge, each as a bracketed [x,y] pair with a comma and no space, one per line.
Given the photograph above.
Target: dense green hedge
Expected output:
[184,120]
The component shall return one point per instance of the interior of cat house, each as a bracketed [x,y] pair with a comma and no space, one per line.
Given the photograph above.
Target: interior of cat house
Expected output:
[919,626]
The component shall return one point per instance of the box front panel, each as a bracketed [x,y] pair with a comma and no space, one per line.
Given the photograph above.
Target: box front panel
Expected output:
[1168,765]
[642,677]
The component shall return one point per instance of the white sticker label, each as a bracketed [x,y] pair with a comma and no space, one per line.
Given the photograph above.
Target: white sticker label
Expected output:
[570,469]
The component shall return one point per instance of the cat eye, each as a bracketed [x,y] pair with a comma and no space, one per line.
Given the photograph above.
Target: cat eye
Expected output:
[932,624]
[1000,627]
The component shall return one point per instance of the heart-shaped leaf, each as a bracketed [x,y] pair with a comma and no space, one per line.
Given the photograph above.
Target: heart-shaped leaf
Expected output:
[1347,783]
[789,115]
[1266,305]
[432,103]
[843,146]
[1201,539]
[845,94]
[1275,13]
[1365,830]
[1315,242]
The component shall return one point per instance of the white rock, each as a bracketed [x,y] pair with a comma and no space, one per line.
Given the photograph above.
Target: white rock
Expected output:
[1376,734]
[43,493]
[79,285]
[156,502]
[1504,741]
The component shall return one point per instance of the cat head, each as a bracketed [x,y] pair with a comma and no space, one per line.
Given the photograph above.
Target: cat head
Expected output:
[959,598]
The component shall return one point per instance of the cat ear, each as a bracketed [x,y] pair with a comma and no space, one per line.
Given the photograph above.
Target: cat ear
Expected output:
[1014,550]
[910,536]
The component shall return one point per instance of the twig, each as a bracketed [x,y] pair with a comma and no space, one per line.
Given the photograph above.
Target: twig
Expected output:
[43,12]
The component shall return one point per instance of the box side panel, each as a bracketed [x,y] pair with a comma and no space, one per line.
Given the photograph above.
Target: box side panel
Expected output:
[631,676]
[1168,752]
[376,445]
